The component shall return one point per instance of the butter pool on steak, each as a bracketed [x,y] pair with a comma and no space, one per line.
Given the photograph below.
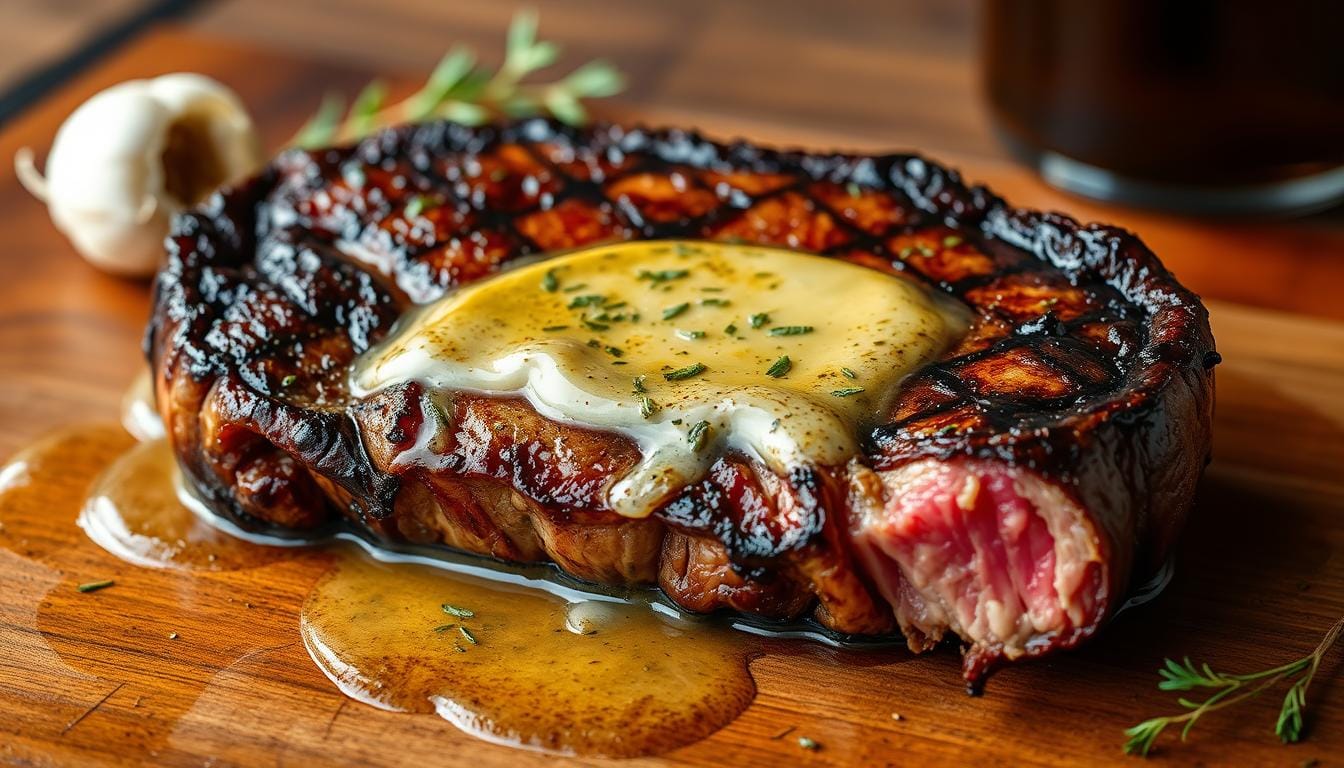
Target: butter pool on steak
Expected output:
[1010,496]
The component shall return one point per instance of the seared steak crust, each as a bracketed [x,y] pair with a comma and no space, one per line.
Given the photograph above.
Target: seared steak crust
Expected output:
[1084,385]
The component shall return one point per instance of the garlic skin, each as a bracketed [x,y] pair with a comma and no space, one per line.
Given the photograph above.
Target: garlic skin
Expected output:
[135,154]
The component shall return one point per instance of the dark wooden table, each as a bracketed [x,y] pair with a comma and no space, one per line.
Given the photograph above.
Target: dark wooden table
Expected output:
[1259,571]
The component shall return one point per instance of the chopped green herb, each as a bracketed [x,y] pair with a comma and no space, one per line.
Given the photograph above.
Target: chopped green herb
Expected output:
[575,287]
[663,275]
[847,391]
[780,367]
[711,289]
[853,189]
[906,252]
[593,326]
[690,335]
[444,627]
[848,374]
[288,380]
[94,586]
[461,613]
[614,305]
[549,282]
[758,319]
[685,373]
[926,251]
[672,312]
[588,300]
[646,406]
[952,241]
[466,635]
[499,174]
[551,328]
[698,434]
[789,330]
[714,302]
[614,351]
[730,329]
[639,384]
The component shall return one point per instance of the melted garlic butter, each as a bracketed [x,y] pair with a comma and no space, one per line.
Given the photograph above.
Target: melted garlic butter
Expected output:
[615,337]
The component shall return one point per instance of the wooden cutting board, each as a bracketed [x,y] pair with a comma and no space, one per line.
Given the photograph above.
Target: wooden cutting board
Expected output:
[94,679]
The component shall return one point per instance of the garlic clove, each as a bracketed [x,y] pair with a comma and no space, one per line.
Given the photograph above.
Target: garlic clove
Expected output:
[135,154]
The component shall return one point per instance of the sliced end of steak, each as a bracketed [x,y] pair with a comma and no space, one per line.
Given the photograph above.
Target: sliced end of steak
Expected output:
[998,556]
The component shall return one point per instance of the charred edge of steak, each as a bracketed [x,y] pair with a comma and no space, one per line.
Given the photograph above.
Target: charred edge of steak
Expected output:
[1073,419]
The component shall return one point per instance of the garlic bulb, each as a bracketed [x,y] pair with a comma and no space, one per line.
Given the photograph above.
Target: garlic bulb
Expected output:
[133,155]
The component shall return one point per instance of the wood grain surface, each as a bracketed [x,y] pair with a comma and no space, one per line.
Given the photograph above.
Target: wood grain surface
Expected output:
[95,679]
[854,73]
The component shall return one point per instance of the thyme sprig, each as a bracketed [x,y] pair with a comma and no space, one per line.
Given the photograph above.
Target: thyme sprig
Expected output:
[462,90]
[1232,689]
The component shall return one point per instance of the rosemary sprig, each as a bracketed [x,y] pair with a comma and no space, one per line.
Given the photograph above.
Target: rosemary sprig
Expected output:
[1231,689]
[461,90]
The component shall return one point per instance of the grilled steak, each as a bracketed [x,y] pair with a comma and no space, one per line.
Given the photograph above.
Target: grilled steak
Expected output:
[1010,496]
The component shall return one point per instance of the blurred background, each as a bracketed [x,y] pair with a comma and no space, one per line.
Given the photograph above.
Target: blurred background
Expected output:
[1202,106]
[1213,128]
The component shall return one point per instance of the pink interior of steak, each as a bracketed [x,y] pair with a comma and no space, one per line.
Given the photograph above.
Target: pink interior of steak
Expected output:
[998,556]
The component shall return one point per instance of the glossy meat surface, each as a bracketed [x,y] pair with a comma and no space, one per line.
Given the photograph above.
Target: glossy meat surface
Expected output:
[1078,405]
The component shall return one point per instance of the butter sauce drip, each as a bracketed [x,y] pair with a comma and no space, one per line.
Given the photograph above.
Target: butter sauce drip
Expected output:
[541,665]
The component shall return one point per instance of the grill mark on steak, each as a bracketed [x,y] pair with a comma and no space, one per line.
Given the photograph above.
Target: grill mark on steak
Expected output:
[1086,373]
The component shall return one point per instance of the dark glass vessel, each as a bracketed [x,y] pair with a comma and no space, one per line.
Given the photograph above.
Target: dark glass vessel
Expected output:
[1195,105]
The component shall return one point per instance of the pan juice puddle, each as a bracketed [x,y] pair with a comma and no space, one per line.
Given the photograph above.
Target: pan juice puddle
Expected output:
[517,665]
[135,511]
[517,658]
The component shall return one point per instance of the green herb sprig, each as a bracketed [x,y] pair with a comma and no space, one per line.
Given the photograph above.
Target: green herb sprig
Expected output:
[462,90]
[1232,689]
